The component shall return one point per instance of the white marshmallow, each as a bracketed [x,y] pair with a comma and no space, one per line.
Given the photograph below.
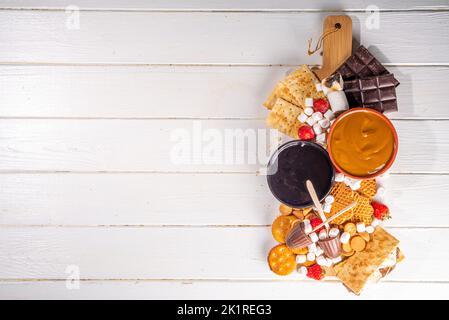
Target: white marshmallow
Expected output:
[329,115]
[329,199]
[321,260]
[323,234]
[319,251]
[329,262]
[324,123]
[309,102]
[370,229]
[302,271]
[312,248]
[325,89]
[327,207]
[302,117]
[317,116]
[344,238]
[321,138]
[356,184]
[360,227]
[301,258]
[318,87]
[308,229]
[317,129]
[306,222]
[311,256]
[333,232]
[313,236]
[339,177]
[348,181]
[338,101]
[336,260]
[375,222]
[308,111]
[310,121]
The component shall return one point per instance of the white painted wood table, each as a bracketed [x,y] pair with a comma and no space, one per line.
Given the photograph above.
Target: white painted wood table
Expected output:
[88,109]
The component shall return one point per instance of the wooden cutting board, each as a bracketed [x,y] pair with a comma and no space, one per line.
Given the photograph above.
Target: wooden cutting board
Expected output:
[337,47]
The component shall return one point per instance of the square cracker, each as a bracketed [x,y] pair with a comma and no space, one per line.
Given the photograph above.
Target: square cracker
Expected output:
[284,117]
[295,88]
[356,270]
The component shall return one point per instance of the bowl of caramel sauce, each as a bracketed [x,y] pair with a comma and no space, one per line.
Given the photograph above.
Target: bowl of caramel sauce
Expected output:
[362,143]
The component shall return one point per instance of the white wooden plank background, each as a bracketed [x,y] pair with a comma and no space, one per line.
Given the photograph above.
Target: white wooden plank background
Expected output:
[228,92]
[231,38]
[85,123]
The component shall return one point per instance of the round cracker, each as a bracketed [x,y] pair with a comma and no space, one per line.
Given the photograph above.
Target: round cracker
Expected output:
[365,236]
[350,228]
[304,250]
[281,226]
[346,247]
[282,260]
[358,244]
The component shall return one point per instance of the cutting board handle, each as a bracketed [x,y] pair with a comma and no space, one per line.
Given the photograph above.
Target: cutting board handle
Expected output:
[337,46]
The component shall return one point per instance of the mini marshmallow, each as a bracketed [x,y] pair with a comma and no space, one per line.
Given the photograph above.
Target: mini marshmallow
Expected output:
[311,256]
[310,121]
[348,181]
[317,116]
[318,87]
[327,207]
[329,199]
[301,258]
[302,271]
[375,222]
[302,117]
[360,227]
[323,234]
[333,232]
[312,247]
[306,222]
[370,229]
[336,260]
[308,111]
[329,115]
[313,236]
[321,261]
[309,102]
[324,123]
[344,238]
[319,251]
[317,129]
[321,138]
[329,262]
[356,184]
[308,229]
[339,177]
[338,101]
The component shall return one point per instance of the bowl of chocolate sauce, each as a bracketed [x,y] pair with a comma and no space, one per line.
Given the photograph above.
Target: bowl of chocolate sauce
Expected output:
[291,165]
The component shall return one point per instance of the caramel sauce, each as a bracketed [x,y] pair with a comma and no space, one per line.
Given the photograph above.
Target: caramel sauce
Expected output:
[362,143]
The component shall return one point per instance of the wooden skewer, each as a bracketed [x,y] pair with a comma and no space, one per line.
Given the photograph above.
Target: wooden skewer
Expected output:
[335,216]
[316,202]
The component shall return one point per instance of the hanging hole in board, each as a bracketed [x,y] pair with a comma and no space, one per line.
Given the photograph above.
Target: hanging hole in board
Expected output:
[337,25]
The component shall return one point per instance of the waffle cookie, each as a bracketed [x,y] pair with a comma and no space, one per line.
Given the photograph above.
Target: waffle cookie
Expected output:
[368,188]
[284,117]
[363,211]
[343,196]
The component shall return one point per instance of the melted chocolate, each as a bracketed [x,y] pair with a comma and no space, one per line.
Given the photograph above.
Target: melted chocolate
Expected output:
[292,165]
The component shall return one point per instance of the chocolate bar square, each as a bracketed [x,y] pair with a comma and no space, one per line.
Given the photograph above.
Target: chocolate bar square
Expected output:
[362,64]
[377,92]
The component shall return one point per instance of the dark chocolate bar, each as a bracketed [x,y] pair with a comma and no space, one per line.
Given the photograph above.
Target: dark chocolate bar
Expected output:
[362,64]
[377,92]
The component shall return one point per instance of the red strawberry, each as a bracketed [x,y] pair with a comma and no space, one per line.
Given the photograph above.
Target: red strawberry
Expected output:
[314,222]
[320,105]
[381,211]
[315,272]
[305,132]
